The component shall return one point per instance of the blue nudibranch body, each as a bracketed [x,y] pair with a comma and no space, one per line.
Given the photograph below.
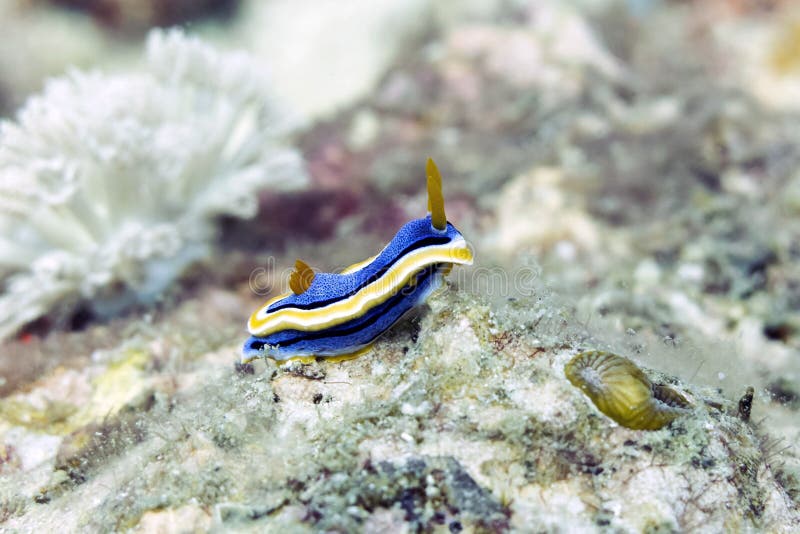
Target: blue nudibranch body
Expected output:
[338,315]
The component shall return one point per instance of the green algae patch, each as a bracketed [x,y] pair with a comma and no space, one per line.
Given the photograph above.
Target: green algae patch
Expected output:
[54,417]
[121,383]
[117,385]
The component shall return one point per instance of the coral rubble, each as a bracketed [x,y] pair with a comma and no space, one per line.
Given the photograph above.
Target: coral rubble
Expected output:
[464,420]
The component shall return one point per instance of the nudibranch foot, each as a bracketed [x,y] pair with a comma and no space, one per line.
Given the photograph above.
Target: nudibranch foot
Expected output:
[352,356]
[307,360]
[304,360]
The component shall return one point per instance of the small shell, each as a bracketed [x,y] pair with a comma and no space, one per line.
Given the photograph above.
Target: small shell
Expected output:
[621,390]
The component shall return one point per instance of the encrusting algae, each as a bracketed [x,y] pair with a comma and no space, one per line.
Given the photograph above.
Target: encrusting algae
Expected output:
[621,391]
[785,57]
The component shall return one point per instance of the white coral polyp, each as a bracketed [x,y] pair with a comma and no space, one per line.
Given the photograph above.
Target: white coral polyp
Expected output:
[110,183]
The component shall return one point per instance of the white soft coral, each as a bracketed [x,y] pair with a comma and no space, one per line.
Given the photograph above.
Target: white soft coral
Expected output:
[110,184]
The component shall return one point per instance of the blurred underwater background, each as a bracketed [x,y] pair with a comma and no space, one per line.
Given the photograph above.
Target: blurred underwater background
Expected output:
[627,173]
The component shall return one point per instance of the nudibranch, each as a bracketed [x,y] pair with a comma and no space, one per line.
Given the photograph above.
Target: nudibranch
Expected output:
[340,315]
[621,390]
